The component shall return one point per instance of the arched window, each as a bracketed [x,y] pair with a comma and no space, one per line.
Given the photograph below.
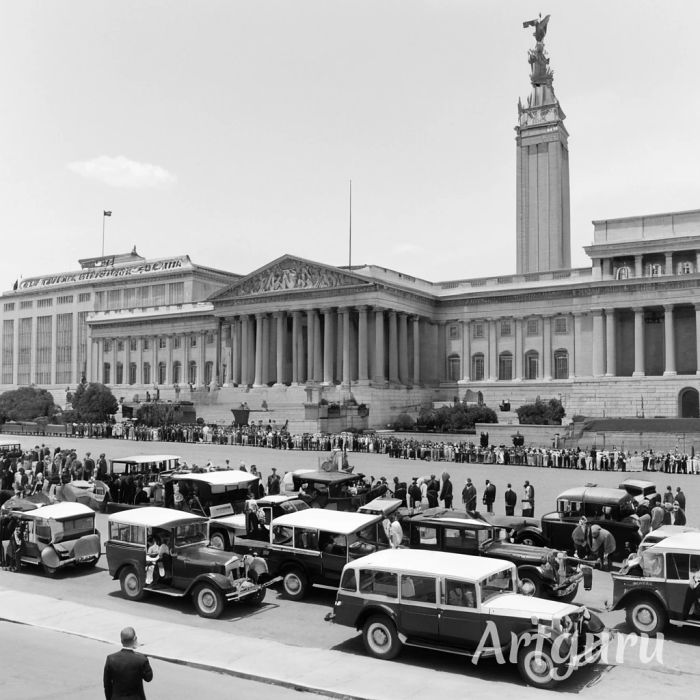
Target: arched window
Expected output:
[146,373]
[453,367]
[532,364]
[622,273]
[478,367]
[177,372]
[162,371]
[119,379]
[192,372]
[208,372]
[106,373]
[561,364]
[132,373]
[505,366]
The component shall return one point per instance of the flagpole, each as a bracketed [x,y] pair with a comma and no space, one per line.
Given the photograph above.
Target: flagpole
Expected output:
[103,233]
[350,231]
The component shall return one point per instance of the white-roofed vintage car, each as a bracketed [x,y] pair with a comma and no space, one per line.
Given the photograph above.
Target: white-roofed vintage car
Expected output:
[464,605]
[59,535]
[189,567]
[661,586]
[311,547]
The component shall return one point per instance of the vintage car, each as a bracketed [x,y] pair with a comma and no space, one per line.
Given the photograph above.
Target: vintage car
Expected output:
[463,605]
[144,465]
[641,490]
[542,571]
[310,547]
[659,588]
[189,568]
[661,533]
[334,490]
[59,535]
[612,509]
[10,447]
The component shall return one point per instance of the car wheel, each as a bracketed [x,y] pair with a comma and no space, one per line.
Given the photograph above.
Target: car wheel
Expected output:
[536,665]
[380,637]
[646,616]
[131,583]
[529,538]
[295,584]
[218,540]
[49,570]
[208,600]
[530,584]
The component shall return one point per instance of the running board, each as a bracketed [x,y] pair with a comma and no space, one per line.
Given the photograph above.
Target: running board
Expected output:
[484,653]
[685,623]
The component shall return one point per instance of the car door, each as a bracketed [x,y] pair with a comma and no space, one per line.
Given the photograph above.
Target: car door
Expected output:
[334,555]
[418,608]
[461,622]
[678,568]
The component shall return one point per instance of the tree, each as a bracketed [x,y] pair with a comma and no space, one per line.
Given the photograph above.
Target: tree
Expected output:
[541,412]
[26,403]
[459,417]
[94,402]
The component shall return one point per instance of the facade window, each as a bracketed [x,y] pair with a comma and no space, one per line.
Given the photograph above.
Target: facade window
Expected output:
[454,332]
[453,367]
[532,364]
[655,270]
[533,327]
[129,298]
[133,344]
[505,366]
[478,329]
[26,304]
[506,328]
[192,372]
[24,351]
[120,346]
[44,348]
[193,341]
[119,379]
[176,292]
[106,345]
[146,373]
[68,299]
[561,364]
[177,341]
[177,372]
[64,348]
[82,343]
[560,325]
[114,299]
[44,303]
[478,367]
[99,301]
[158,291]
[162,370]
[10,306]
[132,373]
[8,351]
[146,346]
[210,338]
[208,372]
[84,296]
[622,273]
[685,268]
[162,342]
[106,373]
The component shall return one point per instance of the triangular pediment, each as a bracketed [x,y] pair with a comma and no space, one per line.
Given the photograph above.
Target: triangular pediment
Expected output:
[290,274]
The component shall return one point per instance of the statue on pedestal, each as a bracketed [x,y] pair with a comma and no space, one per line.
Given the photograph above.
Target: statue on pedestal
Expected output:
[540,74]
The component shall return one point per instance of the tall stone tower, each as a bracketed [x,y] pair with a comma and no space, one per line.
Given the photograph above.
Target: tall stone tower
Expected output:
[543,218]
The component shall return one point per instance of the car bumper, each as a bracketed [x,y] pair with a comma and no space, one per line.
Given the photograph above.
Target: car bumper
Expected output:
[238,594]
[591,654]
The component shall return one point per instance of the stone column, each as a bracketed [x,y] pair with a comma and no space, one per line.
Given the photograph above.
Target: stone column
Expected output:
[697,339]
[328,347]
[296,354]
[466,351]
[311,321]
[610,344]
[493,352]
[281,337]
[598,343]
[235,355]
[347,367]
[668,265]
[638,266]
[258,379]
[393,349]
[574,366]
[547,348]
[114,361]
[639,362]
[245,346]
[379,377]
[697,261]
[186,358]
[318,349]
[519,355]
[266,349]
[218,358]
[202,357]
[169,366]
[669,341]
[441,351]
[139,369]
[403,349]
[416,350]
[362,358]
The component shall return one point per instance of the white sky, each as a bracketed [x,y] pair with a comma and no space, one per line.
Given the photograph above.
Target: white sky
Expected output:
[229,130]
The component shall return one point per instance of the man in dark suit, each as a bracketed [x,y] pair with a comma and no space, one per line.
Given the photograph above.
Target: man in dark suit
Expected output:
[489,496]
[126,670]
[511,500]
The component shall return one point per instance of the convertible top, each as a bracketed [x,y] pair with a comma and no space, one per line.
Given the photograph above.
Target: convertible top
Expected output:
[595,494]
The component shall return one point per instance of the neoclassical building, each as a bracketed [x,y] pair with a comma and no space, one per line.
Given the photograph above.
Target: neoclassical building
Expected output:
[618,338]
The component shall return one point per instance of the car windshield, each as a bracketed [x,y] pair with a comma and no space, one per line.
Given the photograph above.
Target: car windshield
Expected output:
[652,564]
[500,582]
[192,533]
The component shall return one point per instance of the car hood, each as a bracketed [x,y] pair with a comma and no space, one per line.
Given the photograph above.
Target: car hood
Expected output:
[236,522]
[524,553]
[518,605]
[209,555]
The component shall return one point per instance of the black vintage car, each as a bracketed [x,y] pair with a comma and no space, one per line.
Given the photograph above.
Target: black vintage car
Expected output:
[335,490]
[542,571]
[612,509]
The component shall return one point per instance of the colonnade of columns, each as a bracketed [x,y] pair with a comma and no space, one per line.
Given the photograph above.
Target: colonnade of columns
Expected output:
[332,345]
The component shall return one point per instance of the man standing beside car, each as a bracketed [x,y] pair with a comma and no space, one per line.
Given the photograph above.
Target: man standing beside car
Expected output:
[602,546]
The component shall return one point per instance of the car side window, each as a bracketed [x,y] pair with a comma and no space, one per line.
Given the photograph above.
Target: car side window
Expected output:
[281,534]
[382,583]
[418,589]
[305,539]
[460,540]
[349,581]
[331,543]
[460,594]
[427,536]
[677,566]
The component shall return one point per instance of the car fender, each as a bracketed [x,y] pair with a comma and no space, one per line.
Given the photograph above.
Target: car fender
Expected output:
[375,609]
[87,546]
[533,570]
[219,580]
[50,558]
[636,593]
[138,565]
[531,530]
